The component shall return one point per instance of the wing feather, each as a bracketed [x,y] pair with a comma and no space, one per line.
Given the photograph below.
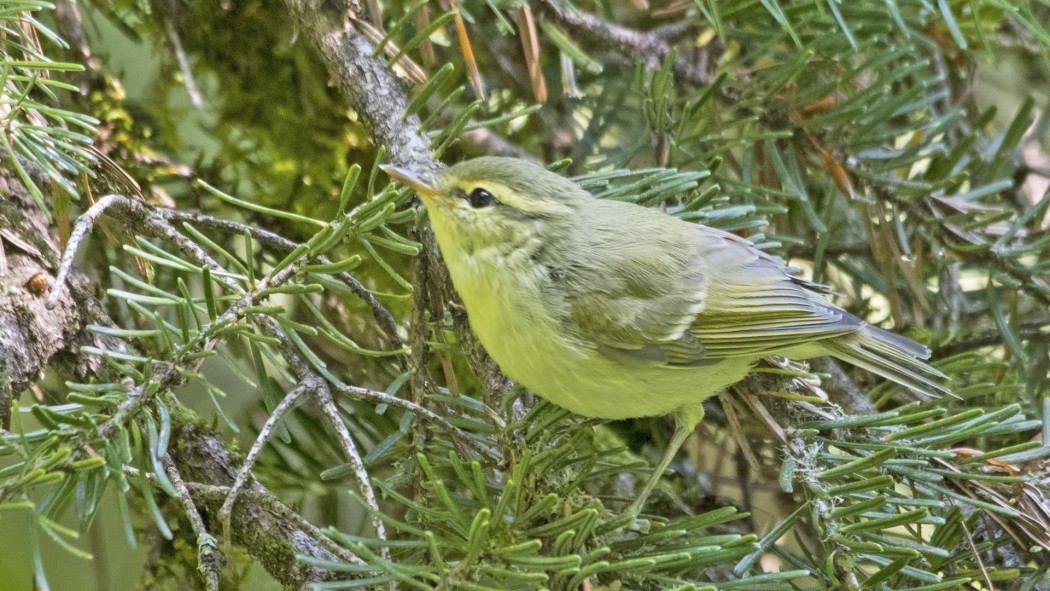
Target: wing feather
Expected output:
[694,296]
[754,307]
[638,302]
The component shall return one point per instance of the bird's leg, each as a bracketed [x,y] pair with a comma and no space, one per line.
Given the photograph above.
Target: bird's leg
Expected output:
[686,419]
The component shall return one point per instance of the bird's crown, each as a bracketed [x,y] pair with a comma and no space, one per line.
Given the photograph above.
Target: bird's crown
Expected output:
[510,182]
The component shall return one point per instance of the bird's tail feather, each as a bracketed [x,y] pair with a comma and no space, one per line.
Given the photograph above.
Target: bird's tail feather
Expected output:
[891,356]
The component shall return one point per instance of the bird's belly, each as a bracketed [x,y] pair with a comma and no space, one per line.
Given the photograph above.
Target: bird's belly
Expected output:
[594,387]
[531,348]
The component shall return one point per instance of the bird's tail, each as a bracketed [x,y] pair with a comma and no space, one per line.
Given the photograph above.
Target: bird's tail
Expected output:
[891,356]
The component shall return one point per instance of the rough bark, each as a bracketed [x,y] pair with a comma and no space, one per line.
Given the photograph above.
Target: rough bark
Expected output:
[33,338]
[260,522]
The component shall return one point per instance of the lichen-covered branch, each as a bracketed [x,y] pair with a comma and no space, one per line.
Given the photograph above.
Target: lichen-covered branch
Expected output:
[210,560]
[260,522]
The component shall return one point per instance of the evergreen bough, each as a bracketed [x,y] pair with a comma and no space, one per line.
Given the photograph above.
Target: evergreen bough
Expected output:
[853,139]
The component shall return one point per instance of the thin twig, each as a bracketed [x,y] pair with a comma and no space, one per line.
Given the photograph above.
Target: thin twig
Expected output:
[159,227]
[80,230]
[407,405]
[973,550]
[210,560]
[180,56]
[284,245]
[357,462]
[630,46]
[319,387]
[743,445]
[226,511]
[165,374]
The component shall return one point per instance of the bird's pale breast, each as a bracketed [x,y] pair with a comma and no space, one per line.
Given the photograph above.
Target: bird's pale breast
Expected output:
[507,313]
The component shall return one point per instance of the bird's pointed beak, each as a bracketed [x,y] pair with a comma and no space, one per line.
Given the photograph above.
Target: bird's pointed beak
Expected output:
[419,183]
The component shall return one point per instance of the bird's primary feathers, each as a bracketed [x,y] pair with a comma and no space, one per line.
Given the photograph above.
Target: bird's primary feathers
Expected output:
[614,310]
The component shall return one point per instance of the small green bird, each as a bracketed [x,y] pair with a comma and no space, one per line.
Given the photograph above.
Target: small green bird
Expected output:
[613,310]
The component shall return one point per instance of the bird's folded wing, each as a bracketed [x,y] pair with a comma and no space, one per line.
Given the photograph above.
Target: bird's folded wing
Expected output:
[639,304]
[754,307]
[720,297]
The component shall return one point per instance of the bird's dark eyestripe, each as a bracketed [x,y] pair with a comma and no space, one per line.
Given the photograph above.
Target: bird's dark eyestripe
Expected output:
[479,198]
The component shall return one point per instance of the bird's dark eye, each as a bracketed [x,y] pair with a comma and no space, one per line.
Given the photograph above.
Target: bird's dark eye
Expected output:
[480,198]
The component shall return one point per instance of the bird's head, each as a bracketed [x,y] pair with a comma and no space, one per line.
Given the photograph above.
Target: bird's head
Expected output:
[494,202]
